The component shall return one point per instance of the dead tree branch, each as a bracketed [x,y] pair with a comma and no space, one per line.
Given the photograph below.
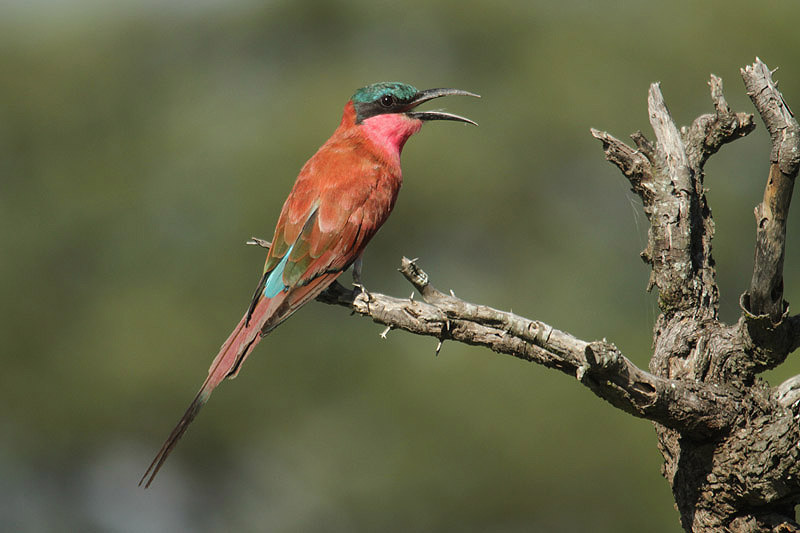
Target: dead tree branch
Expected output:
[765,296]
[696,408]
[729,441]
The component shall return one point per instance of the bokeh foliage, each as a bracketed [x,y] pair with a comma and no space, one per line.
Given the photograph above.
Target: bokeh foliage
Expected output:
[142,143]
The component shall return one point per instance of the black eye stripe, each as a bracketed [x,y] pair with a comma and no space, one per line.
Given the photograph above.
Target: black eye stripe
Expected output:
[387,102]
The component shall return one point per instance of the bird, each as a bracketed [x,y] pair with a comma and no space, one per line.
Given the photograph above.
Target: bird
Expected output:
[341,197]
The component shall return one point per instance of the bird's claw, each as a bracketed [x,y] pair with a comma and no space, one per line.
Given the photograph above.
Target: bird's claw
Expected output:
[359,290]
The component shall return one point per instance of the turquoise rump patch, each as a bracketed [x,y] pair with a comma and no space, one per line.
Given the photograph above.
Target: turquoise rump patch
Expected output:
[274,284]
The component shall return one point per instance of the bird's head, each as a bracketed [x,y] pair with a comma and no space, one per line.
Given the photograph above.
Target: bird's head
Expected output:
[386,112]
[394,98]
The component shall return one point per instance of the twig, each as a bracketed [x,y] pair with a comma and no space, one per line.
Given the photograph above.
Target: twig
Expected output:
[255,241]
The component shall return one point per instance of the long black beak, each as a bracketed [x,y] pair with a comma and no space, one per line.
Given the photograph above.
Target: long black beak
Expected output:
[430,94]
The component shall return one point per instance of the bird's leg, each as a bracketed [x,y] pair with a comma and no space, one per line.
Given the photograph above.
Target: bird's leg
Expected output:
[358,265]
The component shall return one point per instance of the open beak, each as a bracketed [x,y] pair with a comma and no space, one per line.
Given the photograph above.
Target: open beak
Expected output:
[430,94]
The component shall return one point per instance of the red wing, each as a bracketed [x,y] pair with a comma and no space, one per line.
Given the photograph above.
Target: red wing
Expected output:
[329,215]
[325,225]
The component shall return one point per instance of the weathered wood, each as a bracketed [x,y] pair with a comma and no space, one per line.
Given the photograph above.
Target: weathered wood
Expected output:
[766,286]
[698,409]
[730,442]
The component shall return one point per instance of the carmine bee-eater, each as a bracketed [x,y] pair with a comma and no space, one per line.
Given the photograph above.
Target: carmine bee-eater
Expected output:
[342,196]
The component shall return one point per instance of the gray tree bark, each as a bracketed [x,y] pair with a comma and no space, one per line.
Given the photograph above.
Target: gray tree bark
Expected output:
[731,444]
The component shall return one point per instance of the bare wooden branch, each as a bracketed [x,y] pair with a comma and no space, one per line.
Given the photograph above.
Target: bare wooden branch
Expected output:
[729,441]
[644,145]
[741,481]
[692,407]
[634,164]
[710,132]
[775,113]
[669,143]
[766,286]
[668,176]
[255,241]
[723,484]
[671,212]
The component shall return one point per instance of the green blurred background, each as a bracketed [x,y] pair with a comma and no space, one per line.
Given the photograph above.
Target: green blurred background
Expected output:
[141,143]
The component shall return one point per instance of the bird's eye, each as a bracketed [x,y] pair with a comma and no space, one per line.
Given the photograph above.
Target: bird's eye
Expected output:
[387,100]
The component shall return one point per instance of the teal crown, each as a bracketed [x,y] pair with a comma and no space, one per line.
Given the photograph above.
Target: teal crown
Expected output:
[370,93]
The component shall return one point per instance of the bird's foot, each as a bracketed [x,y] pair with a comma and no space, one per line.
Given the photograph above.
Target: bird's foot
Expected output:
[360,290]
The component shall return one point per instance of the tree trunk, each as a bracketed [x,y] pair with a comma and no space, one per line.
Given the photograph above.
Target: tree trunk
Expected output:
[731,444]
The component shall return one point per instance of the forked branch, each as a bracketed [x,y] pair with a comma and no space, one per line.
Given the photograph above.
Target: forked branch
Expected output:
[728,440]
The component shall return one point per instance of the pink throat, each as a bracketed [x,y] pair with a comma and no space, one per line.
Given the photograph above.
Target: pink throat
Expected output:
[390,132]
